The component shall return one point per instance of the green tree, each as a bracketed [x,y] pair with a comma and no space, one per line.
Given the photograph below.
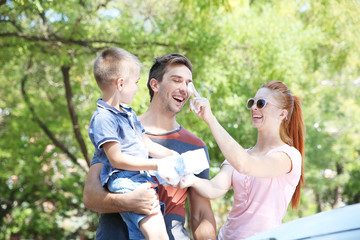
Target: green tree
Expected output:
[48,92]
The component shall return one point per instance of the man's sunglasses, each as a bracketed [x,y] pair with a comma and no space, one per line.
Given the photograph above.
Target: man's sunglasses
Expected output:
[260,103]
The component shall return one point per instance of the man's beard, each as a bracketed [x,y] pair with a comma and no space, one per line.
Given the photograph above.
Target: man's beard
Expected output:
[172,109]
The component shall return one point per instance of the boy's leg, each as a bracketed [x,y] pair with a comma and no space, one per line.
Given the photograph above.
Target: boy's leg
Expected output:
[127,181]
[153,227]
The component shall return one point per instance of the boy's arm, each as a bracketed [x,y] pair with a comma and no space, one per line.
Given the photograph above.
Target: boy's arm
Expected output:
[123,161]
[143,200]
[157,150]
[119,160]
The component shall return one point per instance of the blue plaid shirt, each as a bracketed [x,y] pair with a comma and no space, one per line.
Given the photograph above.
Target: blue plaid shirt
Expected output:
[110,125]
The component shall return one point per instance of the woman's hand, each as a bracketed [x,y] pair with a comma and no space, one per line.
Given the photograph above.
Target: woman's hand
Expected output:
[200,105]
[187,181]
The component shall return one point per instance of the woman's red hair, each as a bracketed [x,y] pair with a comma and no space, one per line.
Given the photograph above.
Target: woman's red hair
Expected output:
[292,130]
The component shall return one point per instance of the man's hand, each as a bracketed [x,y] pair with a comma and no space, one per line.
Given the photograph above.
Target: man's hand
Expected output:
[144,200]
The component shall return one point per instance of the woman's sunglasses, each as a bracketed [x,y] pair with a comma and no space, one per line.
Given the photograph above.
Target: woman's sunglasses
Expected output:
[260,103]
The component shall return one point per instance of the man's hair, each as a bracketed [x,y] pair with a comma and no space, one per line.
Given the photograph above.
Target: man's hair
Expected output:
[161,64]
[113,63]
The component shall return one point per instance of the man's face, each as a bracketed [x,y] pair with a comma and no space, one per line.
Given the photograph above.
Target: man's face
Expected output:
[173,91]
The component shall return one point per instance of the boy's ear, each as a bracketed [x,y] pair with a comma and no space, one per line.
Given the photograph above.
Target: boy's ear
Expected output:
[119,82]
[154,84]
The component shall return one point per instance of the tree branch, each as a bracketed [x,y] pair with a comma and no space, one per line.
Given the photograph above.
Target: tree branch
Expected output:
[66,78]
[102,5]
[13,23]
[42,125]
[86,43]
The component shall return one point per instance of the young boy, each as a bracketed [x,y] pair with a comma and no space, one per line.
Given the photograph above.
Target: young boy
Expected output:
[120,142]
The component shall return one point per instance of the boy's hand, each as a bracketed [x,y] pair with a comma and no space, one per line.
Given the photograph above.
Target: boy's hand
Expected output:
[166,170]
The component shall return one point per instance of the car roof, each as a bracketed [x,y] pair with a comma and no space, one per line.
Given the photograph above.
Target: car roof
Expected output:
[340,223]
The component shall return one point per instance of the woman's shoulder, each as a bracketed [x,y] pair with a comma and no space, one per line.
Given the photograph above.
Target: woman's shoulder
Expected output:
[291,151]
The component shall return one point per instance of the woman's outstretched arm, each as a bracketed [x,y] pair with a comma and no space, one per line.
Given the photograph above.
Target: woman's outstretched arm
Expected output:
[214,188]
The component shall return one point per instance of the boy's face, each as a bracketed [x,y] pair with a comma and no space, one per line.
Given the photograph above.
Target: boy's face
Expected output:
[173,92]
[130,87]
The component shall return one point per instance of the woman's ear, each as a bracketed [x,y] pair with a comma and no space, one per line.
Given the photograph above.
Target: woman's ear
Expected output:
[154,84]
[283,114]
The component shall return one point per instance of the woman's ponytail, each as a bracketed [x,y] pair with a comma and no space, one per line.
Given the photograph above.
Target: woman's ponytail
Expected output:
[296,132]
[292,129]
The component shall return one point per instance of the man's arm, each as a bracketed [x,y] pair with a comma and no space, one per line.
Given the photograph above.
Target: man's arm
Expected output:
[202,219]
[143,200]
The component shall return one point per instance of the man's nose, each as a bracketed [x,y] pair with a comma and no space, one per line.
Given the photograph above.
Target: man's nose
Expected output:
[183,87]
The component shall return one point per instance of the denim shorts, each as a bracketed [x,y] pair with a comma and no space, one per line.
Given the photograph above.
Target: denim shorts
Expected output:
[127,181]
[124,182]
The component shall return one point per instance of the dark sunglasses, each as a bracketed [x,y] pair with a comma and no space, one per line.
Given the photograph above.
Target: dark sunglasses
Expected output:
[260,103]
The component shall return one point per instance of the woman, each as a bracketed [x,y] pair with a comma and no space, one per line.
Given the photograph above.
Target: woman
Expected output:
[265,177]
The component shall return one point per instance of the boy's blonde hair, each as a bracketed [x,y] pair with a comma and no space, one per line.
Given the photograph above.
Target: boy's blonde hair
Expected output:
[113,63]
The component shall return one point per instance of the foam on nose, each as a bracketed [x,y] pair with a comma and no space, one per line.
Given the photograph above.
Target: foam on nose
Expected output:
[190,88]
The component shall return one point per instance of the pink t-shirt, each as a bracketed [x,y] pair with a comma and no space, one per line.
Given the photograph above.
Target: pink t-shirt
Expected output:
[260,203]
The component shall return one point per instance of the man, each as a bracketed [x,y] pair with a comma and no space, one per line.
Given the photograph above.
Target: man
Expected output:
[168,80]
